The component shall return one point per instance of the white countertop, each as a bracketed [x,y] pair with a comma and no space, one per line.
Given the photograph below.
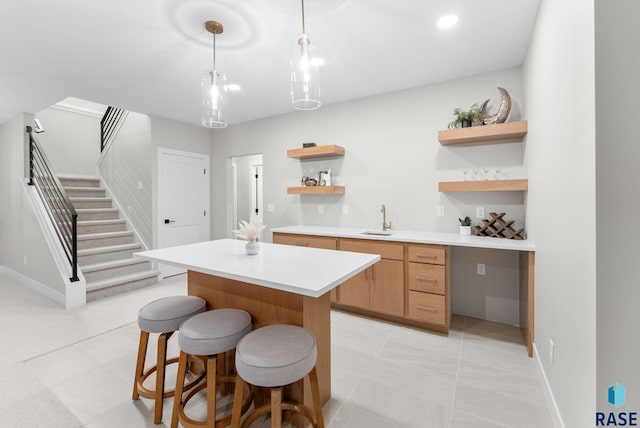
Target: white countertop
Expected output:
[453,239]
[306,271]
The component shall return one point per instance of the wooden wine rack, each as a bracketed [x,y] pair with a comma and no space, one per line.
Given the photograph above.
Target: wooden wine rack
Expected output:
[498,228]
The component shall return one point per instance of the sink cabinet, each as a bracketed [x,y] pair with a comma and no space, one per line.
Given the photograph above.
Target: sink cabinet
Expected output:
[409,285]
[379,288]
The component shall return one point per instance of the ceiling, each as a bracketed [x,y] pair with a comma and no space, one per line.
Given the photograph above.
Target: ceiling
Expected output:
[148,55]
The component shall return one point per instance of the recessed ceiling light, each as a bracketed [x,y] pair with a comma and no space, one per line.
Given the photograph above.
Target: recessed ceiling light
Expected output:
[447,21]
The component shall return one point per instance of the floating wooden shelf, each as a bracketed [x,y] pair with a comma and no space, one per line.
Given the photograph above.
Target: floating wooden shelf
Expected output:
[484,134]
[316,190]
[484,186]
[316,152]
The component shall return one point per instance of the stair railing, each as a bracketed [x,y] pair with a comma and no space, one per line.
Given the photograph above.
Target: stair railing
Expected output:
[109,125]
[59,208]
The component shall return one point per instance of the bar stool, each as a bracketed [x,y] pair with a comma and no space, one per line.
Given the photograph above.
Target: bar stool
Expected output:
[209,336]
[275,356]
[162,316]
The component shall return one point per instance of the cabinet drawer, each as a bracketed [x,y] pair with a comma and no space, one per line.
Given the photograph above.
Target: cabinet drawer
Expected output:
[427,254]
[387,250]
[427,278]
[325,242]
[427,307]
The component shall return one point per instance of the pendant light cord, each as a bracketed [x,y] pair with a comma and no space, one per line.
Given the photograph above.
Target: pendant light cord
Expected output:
[303,29]
[214,50]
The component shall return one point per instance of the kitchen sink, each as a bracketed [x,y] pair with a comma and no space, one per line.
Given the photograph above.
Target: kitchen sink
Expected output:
[377,232]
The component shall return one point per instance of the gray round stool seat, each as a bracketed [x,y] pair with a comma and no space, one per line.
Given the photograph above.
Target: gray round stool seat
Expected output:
[162,316]
[168,313]
[208,335]
[275,356]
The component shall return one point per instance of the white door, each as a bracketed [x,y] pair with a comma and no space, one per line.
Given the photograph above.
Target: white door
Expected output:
[183,201]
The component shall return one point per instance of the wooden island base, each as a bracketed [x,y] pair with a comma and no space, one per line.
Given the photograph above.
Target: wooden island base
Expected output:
[269,306]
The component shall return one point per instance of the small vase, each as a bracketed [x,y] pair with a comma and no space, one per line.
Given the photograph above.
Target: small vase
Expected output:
[252,248]
[465,230]
[466,124]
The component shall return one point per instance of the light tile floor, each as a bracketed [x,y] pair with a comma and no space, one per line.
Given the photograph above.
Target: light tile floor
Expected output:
[74,368]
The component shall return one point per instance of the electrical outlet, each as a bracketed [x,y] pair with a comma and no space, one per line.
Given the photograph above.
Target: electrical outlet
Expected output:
[480,212]
[271,208]
[481,268]
[440,211]
[551,351]
[320,209]
[345,209]
[139,185]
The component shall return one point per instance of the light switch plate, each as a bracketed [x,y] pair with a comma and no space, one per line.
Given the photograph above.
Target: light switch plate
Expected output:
[440,210]
[481,269]
[320,209]
[480,212]
[271,208]
[345,209]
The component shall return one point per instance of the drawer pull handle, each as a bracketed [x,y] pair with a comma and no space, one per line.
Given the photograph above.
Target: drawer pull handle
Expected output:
[427,308]
[426,278]
[302,244]
[426,256]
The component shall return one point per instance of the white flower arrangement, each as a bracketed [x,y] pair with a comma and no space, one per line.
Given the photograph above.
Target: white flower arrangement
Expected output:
[250,231]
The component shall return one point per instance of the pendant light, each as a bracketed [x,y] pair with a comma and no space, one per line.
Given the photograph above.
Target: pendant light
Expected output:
[214,89]
[305,84]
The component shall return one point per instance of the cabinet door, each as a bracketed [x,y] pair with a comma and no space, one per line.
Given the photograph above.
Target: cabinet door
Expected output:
[387,287]
[357,290]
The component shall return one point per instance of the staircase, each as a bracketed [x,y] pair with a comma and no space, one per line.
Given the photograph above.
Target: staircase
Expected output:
[105,246]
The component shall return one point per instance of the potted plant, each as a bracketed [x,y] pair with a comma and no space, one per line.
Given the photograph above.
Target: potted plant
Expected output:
[250,232]
[465,226]
[465,119]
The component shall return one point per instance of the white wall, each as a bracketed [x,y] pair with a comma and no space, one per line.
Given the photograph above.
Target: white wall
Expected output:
[126,170]
[71,140]
[560,156]
[618,156]
[20,232]
[392,157]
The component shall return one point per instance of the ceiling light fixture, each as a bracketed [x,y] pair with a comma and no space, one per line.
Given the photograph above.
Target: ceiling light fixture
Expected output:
[214,89]
[305,84]
[447,21]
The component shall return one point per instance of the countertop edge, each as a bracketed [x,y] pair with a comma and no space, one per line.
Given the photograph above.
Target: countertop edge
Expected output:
[415,237]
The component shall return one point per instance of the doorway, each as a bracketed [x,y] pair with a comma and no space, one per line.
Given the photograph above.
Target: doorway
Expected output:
[183,201]
[247,188]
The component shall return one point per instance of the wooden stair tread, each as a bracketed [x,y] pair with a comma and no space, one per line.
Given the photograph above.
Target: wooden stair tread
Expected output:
[104,235]
[109,249]
[112,264]
[121,279]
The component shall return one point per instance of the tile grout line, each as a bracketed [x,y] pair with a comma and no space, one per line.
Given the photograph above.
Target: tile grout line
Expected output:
[455,383]
[76,342]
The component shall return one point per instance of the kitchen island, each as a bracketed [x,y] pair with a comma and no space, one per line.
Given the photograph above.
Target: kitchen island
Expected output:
[280,285]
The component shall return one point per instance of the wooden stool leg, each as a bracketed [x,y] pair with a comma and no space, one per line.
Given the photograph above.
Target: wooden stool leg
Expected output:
[212,363]
[315,394]
[177,398]
[237,402]
[160,364]
[220,367]
[276,407]
[142,354]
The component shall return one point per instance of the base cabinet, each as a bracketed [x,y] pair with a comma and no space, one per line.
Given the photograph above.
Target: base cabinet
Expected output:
[410,284]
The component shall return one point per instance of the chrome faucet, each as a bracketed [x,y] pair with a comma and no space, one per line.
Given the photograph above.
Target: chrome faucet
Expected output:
[385,225]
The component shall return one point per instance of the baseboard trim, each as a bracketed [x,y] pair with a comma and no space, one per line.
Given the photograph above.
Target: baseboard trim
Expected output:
[548,393]
[52,294]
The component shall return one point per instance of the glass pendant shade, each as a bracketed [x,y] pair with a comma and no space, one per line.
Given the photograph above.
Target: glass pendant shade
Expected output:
[214,99]
[305,74]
